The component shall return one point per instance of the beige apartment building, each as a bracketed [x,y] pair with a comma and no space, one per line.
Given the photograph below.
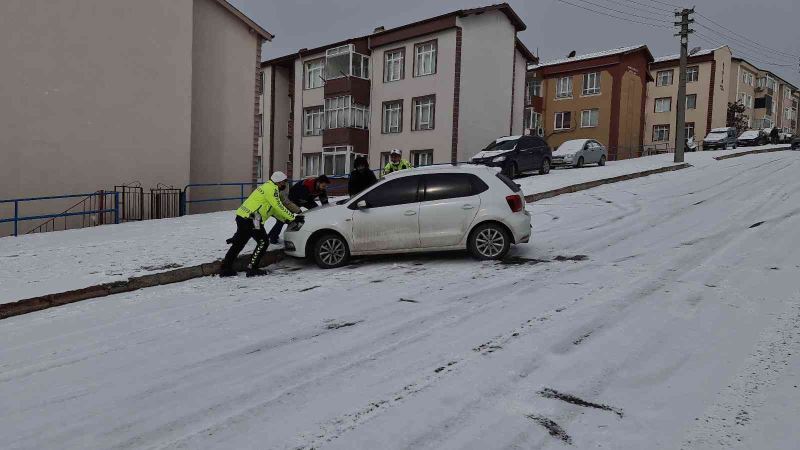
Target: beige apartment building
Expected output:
[708,89]
[439,89]
[597,96]
[98,93]
[769,100]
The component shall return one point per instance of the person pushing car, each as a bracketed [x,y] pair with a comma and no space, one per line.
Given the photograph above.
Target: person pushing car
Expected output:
[263,203]
[396,162]
[304,194]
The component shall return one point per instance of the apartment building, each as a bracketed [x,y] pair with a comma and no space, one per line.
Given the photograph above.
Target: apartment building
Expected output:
[104,92]
[438,89]
[708,87]
[597,96]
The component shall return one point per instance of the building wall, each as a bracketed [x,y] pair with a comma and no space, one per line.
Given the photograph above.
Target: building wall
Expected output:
[518,118]
[738,86]
[441,84]
[224,57]
[487,77]
[575,105]
[722,86]
[282,143]
[305,98]
[630,122]
[94,94]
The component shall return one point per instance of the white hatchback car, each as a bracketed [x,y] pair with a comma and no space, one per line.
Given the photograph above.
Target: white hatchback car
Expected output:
[434,208]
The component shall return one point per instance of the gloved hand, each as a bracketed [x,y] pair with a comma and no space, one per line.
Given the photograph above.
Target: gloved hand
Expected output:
[299,219]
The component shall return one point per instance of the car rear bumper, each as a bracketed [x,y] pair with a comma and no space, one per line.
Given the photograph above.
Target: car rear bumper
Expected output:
[521,227]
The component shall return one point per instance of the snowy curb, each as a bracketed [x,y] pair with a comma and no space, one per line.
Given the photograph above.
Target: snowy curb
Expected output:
[594,183]
[751,152]
[30,305]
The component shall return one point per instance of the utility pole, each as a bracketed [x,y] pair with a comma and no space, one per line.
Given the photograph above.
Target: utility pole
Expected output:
[680,122]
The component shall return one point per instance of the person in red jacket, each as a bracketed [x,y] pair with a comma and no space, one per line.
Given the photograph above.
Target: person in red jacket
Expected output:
[304,194]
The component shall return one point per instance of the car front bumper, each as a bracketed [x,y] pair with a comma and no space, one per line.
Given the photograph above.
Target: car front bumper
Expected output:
[562,161]
[294,243]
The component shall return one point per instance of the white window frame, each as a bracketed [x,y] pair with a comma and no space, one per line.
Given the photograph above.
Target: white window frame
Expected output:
[312,164]
[561,115]
[689,125]
[340,112]
[660,81]
[593,116]
[313,121]
[394,65]
[564,87]
[333,152]
[363,66]
[314,73]
[696,71]
[532,120]
[695,101]
[658,130]
[660,101]
[392,117]
[418,155]
[533,88]
[425,58]
[591,84]
[422,107]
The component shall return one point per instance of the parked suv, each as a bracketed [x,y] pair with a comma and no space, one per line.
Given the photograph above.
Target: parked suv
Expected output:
[720,138]
[752,137]
[516,154]
[434,208]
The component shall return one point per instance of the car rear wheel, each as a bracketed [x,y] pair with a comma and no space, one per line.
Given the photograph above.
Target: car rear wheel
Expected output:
[602,161]
[545,167]
[489,241]
[331,251]
[580,162]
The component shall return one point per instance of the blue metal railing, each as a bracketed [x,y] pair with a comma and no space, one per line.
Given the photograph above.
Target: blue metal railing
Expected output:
[16,219]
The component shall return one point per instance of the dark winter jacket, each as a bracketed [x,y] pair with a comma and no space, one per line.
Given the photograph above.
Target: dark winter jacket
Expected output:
[774,135]
[304,193]
[360,179]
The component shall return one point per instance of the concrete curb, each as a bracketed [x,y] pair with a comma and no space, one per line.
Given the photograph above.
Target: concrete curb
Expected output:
[751,152]
[594,183]
[30,305]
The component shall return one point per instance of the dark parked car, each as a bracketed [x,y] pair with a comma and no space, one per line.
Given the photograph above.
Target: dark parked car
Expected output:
[516,154]
[720,138]
[752,137]
[796,143]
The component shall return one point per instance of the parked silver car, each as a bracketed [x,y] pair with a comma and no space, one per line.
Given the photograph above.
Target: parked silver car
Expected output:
[579,152]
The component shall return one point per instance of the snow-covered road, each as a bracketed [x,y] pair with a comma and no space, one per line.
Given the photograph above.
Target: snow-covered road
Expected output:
[672,301]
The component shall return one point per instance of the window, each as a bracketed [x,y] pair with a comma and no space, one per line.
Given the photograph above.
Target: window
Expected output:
[660,133]
[664,77]
[691,101]
[400,191]
[421,157]
[663,104]
[260,125]
[337,160]
[749,100]
[393,65]
[259,168]
[441,186]
[312,121]
[564,87]
[532,120]
[689,130]
[425,59]
[748,78]
[563,120]
[591,83]
[590,118]
[344,61]
[787,94]
[311,164]
[341,113]
[385,158]
[315,74]
[392,117]
[532,89]
[424,109]
[787,113]
[692,73]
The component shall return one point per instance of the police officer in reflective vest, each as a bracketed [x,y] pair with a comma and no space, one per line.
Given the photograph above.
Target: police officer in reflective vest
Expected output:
[262,204]
[396,162]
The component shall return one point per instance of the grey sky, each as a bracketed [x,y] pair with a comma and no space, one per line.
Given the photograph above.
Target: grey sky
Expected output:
[553,27]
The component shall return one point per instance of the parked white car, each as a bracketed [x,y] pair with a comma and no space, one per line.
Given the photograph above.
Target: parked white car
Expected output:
[579,152]
[434,208]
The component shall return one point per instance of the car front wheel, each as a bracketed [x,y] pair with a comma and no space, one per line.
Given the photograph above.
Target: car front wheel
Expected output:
[489,241]
[545,167]
[579,164]
[331,251]
[602,161]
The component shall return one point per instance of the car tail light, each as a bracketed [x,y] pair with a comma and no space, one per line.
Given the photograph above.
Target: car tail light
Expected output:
[515,202]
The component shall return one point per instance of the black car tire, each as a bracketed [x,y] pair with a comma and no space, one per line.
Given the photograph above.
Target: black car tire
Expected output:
[579,164]
[545,169]
[489,241]
[331,251]
[602,161]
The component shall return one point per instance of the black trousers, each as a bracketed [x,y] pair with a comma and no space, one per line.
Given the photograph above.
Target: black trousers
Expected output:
[245,229]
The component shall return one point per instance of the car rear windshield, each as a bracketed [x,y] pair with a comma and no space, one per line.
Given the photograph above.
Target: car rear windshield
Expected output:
[502,145]
[508,182]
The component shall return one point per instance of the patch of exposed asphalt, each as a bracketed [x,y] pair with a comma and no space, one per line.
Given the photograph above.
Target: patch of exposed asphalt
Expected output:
[519,260]
[569,398]
[757,224]
[337,325]
[408,300]
[309,288]
[553,428]
[571,258]
[695,204]
[580,340]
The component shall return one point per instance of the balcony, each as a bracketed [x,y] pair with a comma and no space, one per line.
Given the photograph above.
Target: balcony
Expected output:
[358,88]
[355,137]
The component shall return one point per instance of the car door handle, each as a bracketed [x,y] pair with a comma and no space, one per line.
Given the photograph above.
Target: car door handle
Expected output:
[467,206]
[410,213]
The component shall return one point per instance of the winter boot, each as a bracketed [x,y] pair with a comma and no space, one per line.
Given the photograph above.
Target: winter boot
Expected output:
[255,272]
[226,272]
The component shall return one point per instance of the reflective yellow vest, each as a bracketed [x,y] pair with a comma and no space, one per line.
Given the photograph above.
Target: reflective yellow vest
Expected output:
[266,202]
[392,167]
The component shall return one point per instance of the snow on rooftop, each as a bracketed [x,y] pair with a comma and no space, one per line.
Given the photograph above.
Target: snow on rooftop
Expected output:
[703,52]
[600,54]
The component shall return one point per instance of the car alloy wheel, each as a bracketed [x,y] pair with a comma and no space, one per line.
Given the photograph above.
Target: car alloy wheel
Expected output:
[331,251]
[580,162]
[602,160]
[489,241]
[545,167]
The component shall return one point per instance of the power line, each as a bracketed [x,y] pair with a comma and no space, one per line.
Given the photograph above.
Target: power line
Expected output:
[624,12]
[745,37]
[613,16]
[747,56]
[628,2]
[667,4]
[739,42]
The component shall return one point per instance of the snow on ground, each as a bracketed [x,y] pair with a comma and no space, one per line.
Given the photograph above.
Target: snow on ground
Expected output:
[40,264]
[680,324]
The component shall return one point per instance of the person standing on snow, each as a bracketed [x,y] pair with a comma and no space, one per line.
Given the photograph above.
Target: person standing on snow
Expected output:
[263,203]
[361,177]
[775,135]
[304,194]
[396,162]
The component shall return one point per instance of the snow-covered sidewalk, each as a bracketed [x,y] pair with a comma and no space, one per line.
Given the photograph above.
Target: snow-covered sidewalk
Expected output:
[41,264]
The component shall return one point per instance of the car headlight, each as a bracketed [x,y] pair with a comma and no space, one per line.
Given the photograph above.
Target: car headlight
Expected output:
[499,159]
[569,156]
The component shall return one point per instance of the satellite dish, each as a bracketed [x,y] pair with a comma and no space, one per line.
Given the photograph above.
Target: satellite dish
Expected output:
[571,54]
[694,50]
